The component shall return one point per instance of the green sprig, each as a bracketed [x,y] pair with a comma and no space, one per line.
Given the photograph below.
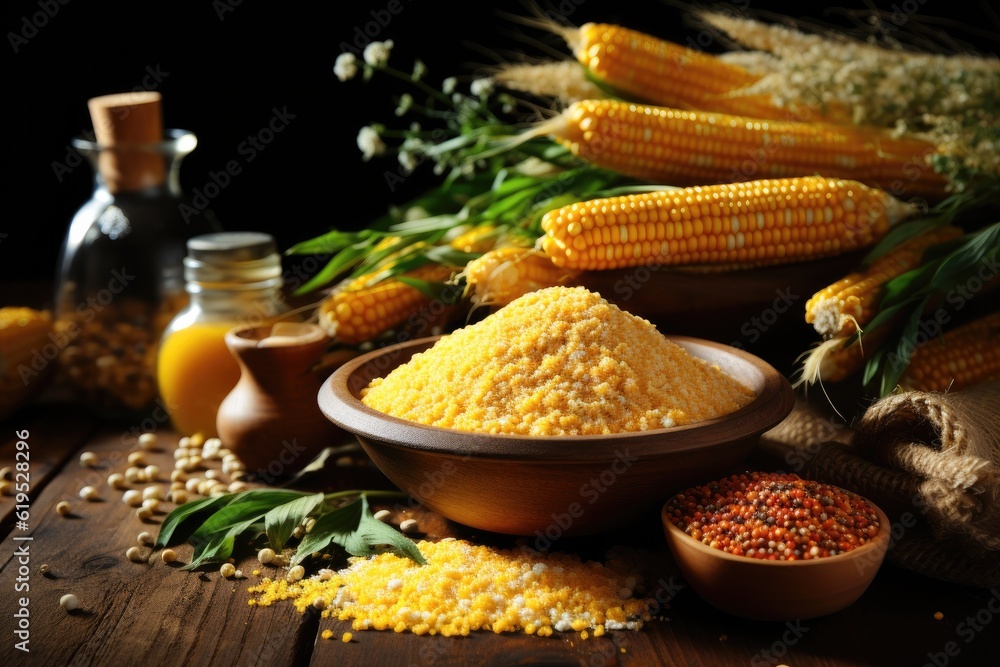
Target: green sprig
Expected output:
[213,525]
[907,299]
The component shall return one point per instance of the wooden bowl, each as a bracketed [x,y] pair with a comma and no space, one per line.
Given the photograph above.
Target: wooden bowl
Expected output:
[552,486]
[769,590]
[718,304]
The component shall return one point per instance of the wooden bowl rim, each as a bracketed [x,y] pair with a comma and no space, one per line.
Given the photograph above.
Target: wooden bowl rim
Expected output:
[880,540]
[773,403]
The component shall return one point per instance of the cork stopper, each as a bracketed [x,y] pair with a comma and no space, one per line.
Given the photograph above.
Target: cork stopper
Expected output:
[125,124]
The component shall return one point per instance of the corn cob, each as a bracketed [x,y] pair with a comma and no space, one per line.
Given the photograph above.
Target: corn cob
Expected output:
[760,222]
[664,145]
[504,274]
[840,309]
[357,312]
[24,334]
[832,360]
[956,359]
[837,359]
[647,68]
[480,238]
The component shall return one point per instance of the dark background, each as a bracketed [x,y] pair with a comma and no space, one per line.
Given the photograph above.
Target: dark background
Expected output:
[225,67]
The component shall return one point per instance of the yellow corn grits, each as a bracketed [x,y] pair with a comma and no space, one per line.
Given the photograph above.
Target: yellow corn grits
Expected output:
[465,588]
[557,361]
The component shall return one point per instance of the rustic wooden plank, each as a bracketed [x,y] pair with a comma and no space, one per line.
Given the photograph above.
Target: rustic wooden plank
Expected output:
[485,649]
[161,615]
[52,442]
[132,613]
[893,623]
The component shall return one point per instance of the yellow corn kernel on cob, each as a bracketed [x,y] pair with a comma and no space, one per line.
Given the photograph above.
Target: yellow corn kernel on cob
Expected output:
[658,71]
[504,274]
[664,145]
[358,312]
[839,309]
[771,221]
[956,359]
[480,238]
[24,333]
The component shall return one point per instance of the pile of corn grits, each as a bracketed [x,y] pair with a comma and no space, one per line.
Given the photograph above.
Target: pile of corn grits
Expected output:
[466,587]
[557,361]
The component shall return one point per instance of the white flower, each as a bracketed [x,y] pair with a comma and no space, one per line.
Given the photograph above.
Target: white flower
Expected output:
[405,102]
[370,143]
[481,87]
[408,162]
[346,66]
[415,212]
[377,53]
[419,70]
[448,85]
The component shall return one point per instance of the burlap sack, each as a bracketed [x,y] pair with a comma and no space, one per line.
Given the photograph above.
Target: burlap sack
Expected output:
[930,460]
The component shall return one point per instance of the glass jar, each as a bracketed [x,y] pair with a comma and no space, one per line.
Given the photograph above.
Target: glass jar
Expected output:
[119,279]
[234,279]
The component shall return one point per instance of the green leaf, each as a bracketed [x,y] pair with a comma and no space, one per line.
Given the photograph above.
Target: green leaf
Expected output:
[326,244]
[354,528]
[432,224]
[873,366]
[885,317]
[342,261]
[909,295]
[944,271]
[428,289]
[409,260]
[512,202]
[449,256]
[392,254]
[447,294]
[245,507]
[512,184]
[899,235]
[895,361]
[214,539]
[179,515]
[218,549]
[281,522]
[907,286]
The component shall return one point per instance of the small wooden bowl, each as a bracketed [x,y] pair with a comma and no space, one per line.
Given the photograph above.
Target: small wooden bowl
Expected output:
[552,486]
[769,590]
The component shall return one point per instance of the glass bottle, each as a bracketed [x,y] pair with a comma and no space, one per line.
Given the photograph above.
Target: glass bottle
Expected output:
[234,279]
[119,277]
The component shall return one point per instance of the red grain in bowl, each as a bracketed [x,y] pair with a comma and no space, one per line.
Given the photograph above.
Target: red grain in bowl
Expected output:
[774,516]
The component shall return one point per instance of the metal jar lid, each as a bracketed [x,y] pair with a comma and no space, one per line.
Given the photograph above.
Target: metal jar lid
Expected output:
[238,258]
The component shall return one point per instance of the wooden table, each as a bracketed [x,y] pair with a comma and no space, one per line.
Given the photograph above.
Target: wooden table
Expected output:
[155,614]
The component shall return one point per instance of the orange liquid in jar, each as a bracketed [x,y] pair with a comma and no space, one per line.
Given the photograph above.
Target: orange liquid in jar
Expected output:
[195,372]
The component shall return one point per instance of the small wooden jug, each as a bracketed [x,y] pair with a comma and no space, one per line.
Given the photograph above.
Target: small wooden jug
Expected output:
[271,419]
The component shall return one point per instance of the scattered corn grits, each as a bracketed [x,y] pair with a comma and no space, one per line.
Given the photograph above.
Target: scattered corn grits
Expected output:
[557,361]
[466,587]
